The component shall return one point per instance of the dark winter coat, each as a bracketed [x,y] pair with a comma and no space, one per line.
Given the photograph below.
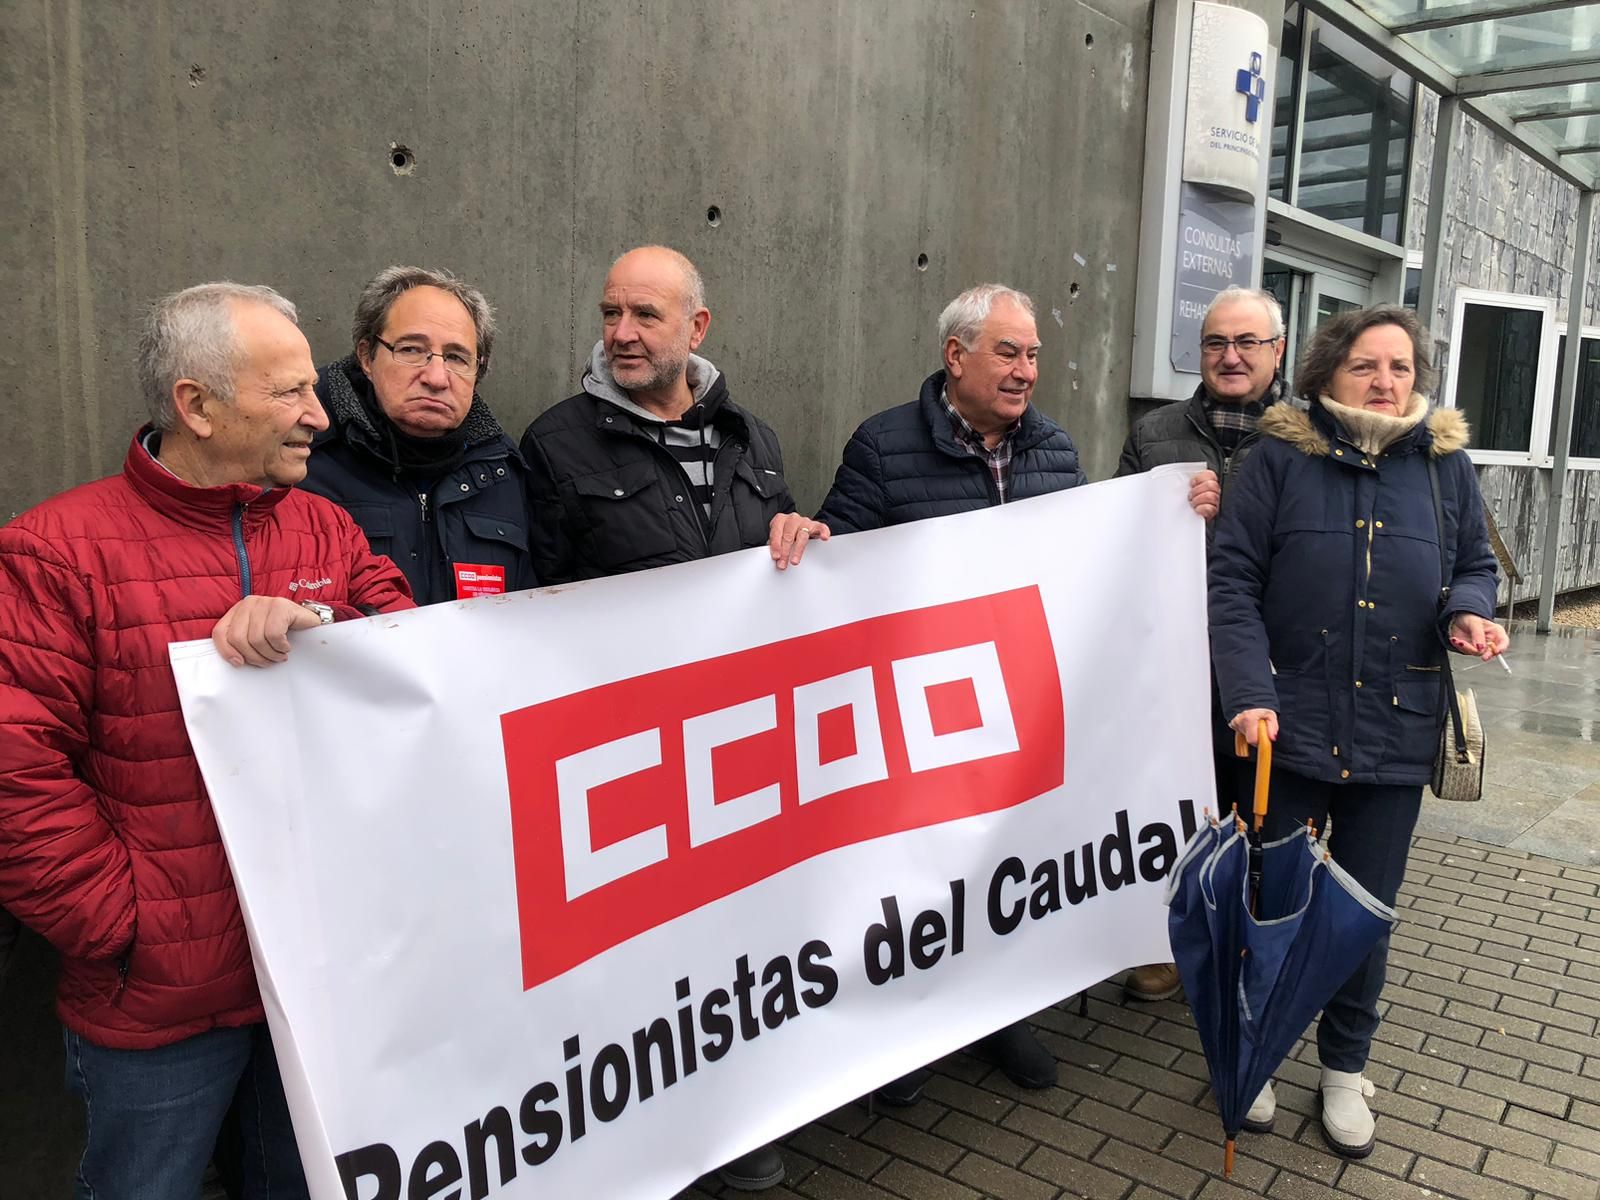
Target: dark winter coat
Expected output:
[905,464]
[475,513]
[608,498]
[1324,592]
[1176,433]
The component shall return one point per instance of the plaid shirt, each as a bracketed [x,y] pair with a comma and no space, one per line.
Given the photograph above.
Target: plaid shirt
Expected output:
[998,459]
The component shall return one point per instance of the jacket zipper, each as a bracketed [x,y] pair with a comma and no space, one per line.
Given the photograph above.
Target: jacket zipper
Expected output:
[422,502]
[239,550]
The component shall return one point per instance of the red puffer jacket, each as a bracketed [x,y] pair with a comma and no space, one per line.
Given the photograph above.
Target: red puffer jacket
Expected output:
[108,846]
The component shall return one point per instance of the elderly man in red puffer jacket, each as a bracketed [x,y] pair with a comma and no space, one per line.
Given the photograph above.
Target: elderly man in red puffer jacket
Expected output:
[108,846]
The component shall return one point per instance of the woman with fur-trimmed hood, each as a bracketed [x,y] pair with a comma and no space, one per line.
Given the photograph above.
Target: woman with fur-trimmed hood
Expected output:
[1328,621]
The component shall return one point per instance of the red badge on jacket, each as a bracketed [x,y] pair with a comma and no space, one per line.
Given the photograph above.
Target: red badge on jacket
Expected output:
[479,579]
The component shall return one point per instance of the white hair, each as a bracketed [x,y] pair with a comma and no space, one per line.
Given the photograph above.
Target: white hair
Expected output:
[1233,295]
[964,316]
[190,335]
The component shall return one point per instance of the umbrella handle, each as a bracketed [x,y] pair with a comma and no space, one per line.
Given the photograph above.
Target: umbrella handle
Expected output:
[1263,773]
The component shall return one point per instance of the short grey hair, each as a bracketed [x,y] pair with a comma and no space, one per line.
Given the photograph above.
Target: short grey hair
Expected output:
[694,288]
[191,335]
[1234,295]
[964,316]
[389,284]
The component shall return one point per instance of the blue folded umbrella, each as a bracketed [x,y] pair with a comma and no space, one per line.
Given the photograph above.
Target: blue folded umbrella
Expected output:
[1257,968]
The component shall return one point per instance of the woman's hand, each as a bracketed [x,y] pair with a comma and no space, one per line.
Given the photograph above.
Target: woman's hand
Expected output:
[1471,634]
[1248,722]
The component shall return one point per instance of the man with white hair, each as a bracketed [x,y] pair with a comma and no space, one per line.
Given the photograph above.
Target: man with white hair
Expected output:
[1241,353]
[972,439]
[108,846]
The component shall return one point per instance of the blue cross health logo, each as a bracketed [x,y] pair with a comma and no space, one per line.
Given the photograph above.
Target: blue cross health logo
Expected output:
[1252,87]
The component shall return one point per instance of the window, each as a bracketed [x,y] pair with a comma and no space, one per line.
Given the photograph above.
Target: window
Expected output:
[1341,138]
[1502,352]
[1586,407]
[1287,88]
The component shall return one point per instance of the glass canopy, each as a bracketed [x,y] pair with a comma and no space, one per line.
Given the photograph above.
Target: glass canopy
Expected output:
[1530,66]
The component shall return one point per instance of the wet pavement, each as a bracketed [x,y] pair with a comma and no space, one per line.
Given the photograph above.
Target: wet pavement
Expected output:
[1542,724]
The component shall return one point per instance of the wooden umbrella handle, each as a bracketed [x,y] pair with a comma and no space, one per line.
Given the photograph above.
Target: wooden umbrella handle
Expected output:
[1263,773]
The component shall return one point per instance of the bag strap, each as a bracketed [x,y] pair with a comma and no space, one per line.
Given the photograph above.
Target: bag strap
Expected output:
[1462,754]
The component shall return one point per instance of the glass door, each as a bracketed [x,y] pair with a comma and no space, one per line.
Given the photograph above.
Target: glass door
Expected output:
[1309,292]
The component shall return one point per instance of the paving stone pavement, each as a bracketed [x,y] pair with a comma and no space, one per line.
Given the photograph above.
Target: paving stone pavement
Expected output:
[1487,1064]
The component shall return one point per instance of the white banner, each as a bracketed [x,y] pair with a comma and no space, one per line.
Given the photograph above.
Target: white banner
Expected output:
[584,891]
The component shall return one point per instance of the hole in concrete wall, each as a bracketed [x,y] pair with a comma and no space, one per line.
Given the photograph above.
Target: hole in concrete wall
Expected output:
[713,216]
[1088,40]
[922,262]
[401,159]
[197,75]
[1073,291]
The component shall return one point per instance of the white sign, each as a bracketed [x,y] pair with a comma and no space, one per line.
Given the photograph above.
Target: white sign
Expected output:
[1228,123]
[585,891]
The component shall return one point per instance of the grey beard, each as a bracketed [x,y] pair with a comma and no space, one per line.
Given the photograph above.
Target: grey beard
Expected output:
[666,373]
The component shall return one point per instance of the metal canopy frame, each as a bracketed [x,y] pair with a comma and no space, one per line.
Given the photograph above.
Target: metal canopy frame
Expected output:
[1393,37]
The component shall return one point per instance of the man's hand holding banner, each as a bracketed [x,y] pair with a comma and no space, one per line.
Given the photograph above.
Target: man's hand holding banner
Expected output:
[584,891]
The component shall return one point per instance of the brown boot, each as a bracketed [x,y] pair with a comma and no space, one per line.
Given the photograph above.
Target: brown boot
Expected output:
[1157,981]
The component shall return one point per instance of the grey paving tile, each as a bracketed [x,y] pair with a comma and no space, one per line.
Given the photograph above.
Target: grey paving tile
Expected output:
[1453,1181]
[1548,1181]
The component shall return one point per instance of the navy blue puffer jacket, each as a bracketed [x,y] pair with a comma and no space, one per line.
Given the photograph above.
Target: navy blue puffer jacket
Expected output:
[905,464]
[1324,592]
[474,514]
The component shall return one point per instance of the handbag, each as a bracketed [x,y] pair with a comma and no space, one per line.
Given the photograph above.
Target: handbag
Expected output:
[1458,763]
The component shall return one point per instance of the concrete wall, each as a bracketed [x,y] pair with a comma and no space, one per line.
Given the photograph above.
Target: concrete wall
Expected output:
[153,146]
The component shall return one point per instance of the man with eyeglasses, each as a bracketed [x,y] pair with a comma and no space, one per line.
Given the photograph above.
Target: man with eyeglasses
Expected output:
[1241,351]
[412,451]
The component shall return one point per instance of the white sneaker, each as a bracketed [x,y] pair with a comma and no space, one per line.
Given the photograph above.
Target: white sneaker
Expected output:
[1259,1117]
[1347,1122]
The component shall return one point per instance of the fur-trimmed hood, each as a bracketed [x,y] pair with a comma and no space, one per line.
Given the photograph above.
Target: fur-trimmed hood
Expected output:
[1292,423]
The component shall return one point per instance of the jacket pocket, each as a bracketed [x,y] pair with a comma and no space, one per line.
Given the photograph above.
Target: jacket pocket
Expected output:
[377,522]
[624,515]
[759,494]
[1415,711]
[499,533]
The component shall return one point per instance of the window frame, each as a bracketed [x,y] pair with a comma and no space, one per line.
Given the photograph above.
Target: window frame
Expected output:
[1310,24]
[1544,378]
[1586,333]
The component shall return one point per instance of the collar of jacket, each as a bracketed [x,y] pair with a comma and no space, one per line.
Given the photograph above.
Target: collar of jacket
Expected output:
[1031,430]
[197,507]
[1196,406]
[1313,431]
[347,388]
[725,416]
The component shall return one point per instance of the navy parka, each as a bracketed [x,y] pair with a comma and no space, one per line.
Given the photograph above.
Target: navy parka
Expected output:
[1325,592]
[905,464]
[476,513]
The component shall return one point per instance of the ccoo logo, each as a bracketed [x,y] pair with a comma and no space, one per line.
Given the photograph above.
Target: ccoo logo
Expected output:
[640,800]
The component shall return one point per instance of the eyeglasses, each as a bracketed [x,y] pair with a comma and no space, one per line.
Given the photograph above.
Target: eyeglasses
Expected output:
[457,362]
[1245,343]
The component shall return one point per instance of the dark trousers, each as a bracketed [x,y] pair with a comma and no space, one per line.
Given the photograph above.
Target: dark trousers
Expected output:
[1372,826]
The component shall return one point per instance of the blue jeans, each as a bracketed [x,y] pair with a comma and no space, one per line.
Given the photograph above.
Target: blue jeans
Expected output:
[152,1116]
[1372,826]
